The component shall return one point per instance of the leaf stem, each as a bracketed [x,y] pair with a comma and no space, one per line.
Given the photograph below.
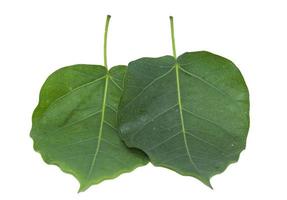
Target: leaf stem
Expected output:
[105,40]
[172,36]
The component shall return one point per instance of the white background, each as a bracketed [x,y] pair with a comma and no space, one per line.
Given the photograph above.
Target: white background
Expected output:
[37,37]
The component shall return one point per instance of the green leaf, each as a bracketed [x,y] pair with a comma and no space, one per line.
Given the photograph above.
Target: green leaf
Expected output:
[75,124]
[189,114]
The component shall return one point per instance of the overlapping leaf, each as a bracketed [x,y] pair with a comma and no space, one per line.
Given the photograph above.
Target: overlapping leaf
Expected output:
[189,114]
[75,124]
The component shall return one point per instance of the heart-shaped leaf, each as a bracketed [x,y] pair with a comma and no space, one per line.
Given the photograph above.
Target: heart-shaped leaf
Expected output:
[75,124]
[189,114]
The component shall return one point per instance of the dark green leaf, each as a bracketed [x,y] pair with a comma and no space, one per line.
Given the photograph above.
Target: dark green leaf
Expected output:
[190,115]
[75,124]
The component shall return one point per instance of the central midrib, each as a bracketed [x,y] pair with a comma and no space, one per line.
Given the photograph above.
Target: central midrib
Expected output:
[101,127]
[181,115]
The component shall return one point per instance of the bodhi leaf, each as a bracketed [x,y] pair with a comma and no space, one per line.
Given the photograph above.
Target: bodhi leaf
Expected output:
[75,124]
[189,114]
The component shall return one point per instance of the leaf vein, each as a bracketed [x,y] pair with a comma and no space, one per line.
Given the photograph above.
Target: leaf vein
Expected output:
[117,85]
[208,83]
[75,89]
[147,86]
[80,120]
[182,119]
[164,141]
[151,120]
[101,128]
[208,120]
[111,126]
[112,108]
[205,141]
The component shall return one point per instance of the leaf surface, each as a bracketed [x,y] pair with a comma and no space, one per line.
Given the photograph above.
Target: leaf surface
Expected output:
[189,114]
[75,124]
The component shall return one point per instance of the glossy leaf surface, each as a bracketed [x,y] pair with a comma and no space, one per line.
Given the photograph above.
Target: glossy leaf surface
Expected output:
[75,124]
[189,114]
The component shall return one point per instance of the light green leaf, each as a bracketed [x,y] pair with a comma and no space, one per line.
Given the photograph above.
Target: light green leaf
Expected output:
[189,114]
[75,124]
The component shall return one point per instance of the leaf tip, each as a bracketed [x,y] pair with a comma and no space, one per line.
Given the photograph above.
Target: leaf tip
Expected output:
[207,183]
[82,188]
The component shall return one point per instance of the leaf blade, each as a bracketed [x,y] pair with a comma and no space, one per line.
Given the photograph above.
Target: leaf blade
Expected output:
[77,133]
[201,106]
